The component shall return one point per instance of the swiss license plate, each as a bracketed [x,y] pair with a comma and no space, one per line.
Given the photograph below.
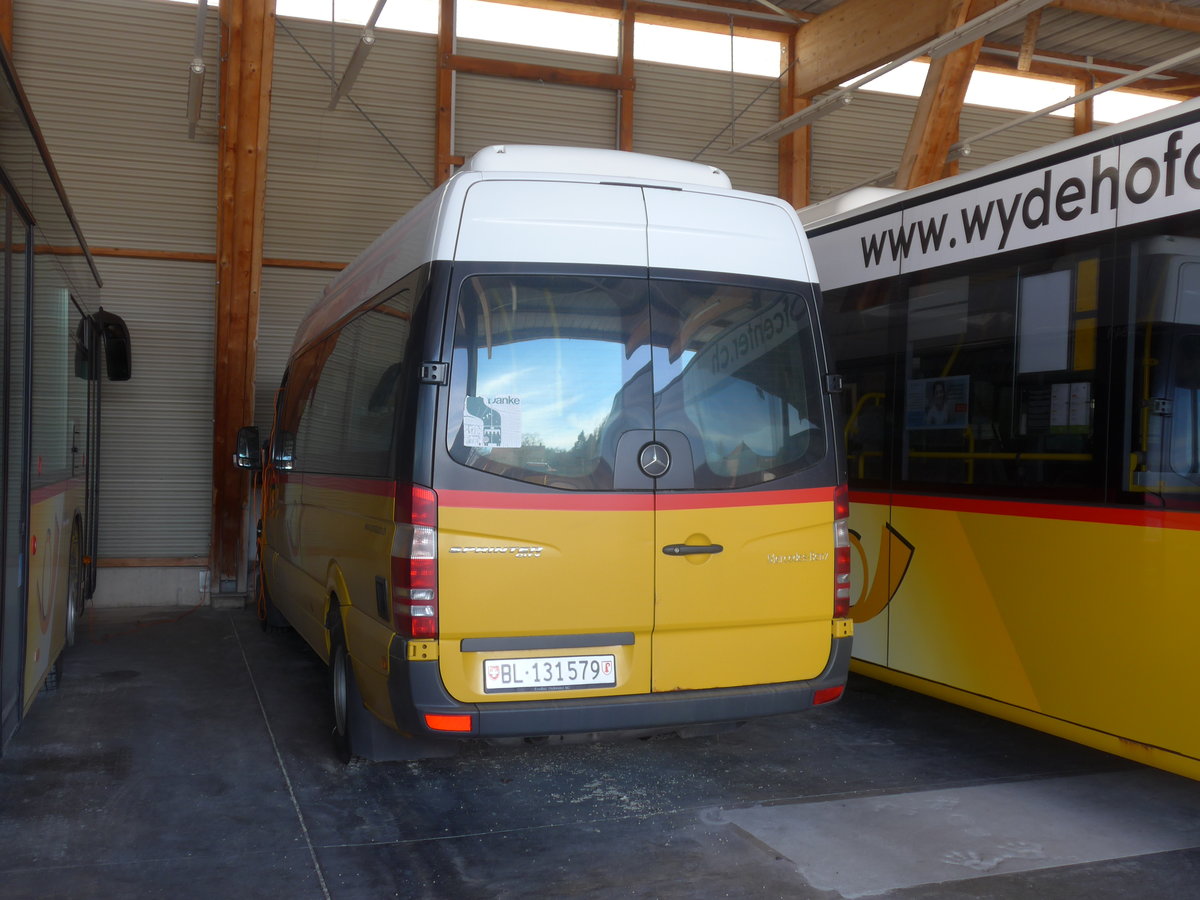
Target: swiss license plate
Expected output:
[549,673]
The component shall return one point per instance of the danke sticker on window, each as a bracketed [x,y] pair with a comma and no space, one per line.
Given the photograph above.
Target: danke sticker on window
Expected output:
[492,422]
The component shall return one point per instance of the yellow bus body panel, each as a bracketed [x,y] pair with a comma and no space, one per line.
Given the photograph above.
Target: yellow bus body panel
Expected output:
[1063,629]
[51,519]
[587,571]
[759,611]
[346,529]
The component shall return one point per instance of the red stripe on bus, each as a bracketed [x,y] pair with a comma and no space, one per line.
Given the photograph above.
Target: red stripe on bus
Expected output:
[573,501]
[1102,515]
[732,500]
[641,502]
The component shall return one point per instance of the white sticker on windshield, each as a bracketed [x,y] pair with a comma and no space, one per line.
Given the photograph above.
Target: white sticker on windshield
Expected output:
[492,422]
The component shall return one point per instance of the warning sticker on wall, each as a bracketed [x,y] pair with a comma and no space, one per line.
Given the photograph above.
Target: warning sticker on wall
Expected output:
[492,422]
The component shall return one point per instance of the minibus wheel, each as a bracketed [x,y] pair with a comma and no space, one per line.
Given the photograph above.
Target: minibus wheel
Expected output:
[357,734]
[343,693]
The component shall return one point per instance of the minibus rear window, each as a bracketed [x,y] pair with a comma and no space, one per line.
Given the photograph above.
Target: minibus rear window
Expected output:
[544,367]
[549,372]
[735,369]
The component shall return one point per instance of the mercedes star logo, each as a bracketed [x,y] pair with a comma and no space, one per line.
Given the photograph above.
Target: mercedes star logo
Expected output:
[654,460]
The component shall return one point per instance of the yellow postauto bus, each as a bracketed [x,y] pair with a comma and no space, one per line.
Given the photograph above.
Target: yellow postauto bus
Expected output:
[1021,353]
[557,455]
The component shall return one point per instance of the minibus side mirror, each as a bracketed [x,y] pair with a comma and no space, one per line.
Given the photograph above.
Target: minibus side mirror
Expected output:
[118,356]
[248,454]
[283,452]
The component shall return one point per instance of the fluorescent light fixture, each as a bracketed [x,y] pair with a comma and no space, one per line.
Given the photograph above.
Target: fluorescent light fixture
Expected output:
[195,95]
[365,42]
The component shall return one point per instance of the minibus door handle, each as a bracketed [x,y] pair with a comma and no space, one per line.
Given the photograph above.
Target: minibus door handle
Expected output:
[691,549]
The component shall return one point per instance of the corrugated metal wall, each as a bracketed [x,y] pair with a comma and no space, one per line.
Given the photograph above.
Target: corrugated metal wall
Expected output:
[1038,133]
[108,84]
[677,111]
[337,178]
[491,110]
[108,80]
[858,141]
[156,482]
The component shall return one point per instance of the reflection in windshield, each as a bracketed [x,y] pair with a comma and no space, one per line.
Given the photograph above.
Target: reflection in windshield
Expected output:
[549,372]
[738,365]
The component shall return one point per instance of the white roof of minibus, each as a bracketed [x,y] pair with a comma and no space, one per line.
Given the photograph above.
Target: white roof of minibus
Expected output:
[429,231]
[594,163]
[827,212]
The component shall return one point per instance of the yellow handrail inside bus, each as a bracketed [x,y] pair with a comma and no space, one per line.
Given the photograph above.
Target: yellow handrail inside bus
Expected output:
[1012,454]
[852,421]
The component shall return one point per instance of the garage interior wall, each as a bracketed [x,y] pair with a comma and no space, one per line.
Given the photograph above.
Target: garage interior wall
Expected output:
[108,83]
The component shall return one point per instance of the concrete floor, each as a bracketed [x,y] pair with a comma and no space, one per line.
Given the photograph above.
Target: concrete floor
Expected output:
[188,755]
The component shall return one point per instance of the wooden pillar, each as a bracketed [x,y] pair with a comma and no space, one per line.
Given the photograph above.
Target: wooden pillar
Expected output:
[444,129]
[625,68]
[935,125]
[248,40]
[1085,118]
[795,148]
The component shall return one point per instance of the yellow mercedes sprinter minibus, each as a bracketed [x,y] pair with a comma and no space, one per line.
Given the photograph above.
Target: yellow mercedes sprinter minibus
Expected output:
[557,455]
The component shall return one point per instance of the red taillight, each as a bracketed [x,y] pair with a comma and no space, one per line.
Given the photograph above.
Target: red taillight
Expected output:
[414,564]
[841,552]
[827,695]
[447,722]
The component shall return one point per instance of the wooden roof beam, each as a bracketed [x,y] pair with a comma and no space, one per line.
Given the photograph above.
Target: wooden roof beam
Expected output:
[935,124]
[859,35]
[1144,12]
[1029,42]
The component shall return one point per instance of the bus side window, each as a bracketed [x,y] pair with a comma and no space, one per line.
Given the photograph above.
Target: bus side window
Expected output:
[1000,368]
[859,336]
[1185,411]
[347,426]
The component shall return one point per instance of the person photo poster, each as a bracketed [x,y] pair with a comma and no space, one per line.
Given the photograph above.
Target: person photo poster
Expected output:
[937,402]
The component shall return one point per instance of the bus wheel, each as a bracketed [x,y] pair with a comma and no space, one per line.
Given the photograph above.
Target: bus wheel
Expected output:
[357,734]
[345,697]
[75,598]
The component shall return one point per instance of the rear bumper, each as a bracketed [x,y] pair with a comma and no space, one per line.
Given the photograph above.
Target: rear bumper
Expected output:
[416,690]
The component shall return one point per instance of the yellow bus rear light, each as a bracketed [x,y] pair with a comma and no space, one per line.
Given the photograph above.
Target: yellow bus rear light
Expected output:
[443,722]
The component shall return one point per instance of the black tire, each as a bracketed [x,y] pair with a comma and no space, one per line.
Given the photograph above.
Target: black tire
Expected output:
[75,593]
[357,733]
[343,692]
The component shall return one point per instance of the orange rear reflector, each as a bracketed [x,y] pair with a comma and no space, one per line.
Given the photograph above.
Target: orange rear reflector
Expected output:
[437,722]
[825,695]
